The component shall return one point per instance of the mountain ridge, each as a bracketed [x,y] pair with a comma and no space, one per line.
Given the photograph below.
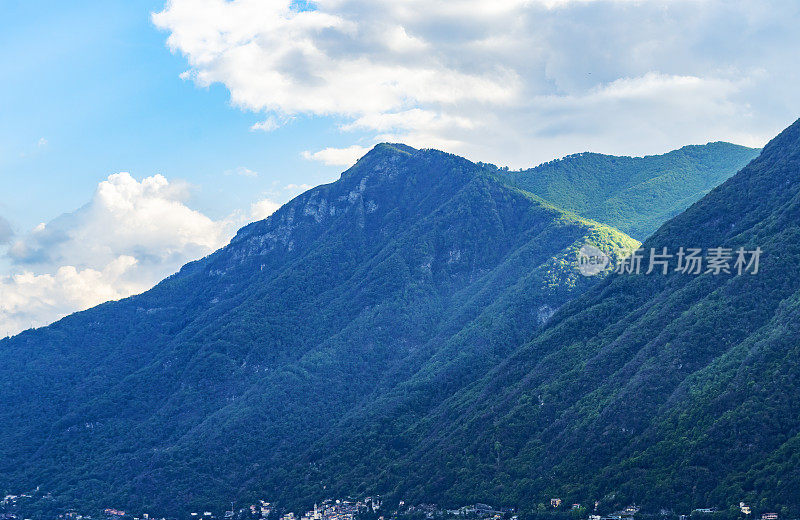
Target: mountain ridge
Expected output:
[147,401]
[366,305]
[633,194]
[670,391]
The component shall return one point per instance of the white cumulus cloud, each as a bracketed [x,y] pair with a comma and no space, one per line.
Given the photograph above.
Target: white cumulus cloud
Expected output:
[337,156]
[511,81]
[31,300]
[128,237]
[263,208]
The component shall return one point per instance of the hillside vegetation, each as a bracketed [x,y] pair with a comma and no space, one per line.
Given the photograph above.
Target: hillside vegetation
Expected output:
[419,329]
[633,194]
[674,391]
[209,386]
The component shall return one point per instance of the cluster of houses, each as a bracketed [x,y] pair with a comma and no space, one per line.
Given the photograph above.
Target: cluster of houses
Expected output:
[745,509]
[350,509]
[629,512]
[334,509]
[625,514]
[482,511]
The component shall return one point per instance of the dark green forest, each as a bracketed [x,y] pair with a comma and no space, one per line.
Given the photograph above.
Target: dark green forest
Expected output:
[216,380]
[673,391]
[419,329]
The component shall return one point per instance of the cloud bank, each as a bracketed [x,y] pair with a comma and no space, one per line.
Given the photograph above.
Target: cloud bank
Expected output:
[128,237]
[513,81]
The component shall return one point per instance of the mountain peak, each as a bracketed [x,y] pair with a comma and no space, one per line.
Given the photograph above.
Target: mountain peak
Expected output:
[382,151]
[386,160]
[648,387]
[393,148]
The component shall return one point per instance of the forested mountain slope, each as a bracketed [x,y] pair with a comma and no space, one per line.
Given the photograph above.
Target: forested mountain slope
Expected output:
[675,391]
[209,386]
[633,194]
[372,335]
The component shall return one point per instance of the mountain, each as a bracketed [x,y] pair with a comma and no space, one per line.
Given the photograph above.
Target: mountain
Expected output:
[633,194]
[380,333]
[208,386]
[675,391]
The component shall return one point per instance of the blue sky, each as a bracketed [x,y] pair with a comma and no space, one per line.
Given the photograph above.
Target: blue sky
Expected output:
[221,110]
[96,82]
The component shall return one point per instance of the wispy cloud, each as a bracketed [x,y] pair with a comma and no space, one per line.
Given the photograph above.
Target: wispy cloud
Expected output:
[267,125]
[241,171]
[297,187]
[6,232]
[337,156]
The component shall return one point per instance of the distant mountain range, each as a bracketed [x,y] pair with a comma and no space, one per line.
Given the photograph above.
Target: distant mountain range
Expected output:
[633,194]
[419,328]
